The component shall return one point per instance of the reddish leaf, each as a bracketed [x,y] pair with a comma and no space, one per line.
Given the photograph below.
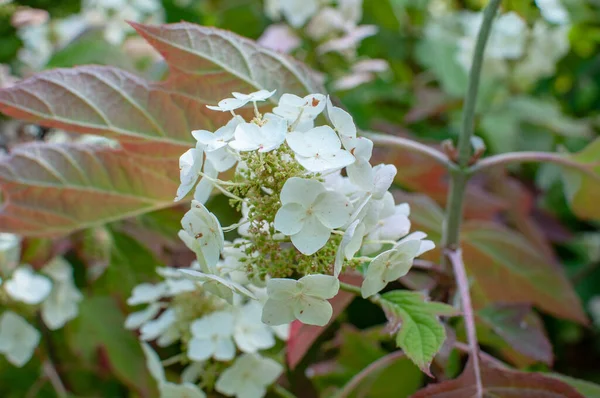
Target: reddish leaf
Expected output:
[52,189]
[521,328]
[303,336]
[507,269]
[500,384]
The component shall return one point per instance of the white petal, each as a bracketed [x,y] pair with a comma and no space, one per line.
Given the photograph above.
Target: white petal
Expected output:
[228,104]
[27,286]
[146,293]
[277,312]
[224,349]
[153,363]
[18,339]
[320,286]
[384,177]
[137,319]
[372,285]
[185,390]
[317,141]
[151,330]
[313,311]
[282,288]
[289,218]
[333,209]
[301,190]
[200,349]
[205,186]
[361,174]
[313,236]
[221,159]
[341,120]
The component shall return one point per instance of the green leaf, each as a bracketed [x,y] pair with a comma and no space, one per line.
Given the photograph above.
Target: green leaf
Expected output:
[98,330]
[587,389]
[505,268]
[55,189]
[583,189]
[358,350]
[421,334]
[131,263]
[498,383]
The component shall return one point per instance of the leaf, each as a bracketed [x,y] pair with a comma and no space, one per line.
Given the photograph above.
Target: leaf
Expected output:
[505,268]
[99,329]
[583,189]
[359,349]
[131,263]
[227,61]
[420,334]
[521,328]
[303,336]
[499,383]
[151,120]
[587,389]
[52,189]
[207,64]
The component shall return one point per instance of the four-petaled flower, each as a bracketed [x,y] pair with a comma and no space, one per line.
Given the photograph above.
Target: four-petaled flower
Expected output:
[249,377]
[265,138]
[300,111]
[394,263]
[309,212]
[212,337]
[304,299]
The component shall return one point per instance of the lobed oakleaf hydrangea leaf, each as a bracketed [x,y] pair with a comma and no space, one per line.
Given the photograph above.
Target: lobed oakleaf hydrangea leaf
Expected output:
[420,334]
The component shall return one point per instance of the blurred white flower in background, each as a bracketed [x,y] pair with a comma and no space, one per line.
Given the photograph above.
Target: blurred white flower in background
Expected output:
[18,339]
[249,377]
[62,304]
[553,11]
[27,286]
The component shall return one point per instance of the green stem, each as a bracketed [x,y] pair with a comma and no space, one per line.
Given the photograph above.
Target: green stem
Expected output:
[459,176]
[282,392]
[375,299]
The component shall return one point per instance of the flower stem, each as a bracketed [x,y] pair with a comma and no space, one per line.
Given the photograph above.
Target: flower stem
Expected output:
[531,157]
[282,392]
[409,145]
[462,282]
[52,375]
[375,299]
[459,177]
[366,372]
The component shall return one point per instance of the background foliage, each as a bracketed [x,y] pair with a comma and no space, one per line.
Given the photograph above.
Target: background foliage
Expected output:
[531,240]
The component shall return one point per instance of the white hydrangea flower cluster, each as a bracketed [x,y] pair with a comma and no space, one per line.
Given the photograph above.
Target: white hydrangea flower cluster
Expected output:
[310,203]
[43,36]
[516,51]
[334,25]
[301,216]
[52,291]
[219,332]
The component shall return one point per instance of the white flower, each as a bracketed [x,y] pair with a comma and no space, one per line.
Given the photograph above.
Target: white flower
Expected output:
[553,11]
[383,177]
[249,333]
[392,225]
[328,21]
[211,337]
[265,138]
[137,319]
[319,149]
[239,100]
[202,234]
[27,286]
[249,377]
[279,37]
[157,327]
[62,304]
[215,144]
[147,293]
[297,12]
[205,186]
[218,285]
[10,252]
[309,212]
[304,299]
[342,124]
[394,263]
[349,245]
[168,389]
[18,339]
[295,109]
